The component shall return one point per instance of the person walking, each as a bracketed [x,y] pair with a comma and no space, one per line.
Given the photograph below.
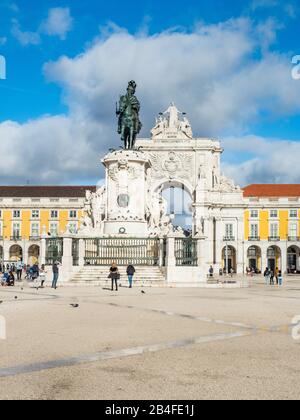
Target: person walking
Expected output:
[114,275]
[267,276]
[277,276]
[211,271]
[19,270]
[43,273]
[280,278]
[130,274]
[272,278]
[55,270]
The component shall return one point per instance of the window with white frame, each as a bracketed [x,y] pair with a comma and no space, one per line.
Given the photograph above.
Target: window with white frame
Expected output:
[35,214]
[293,214]
[35,230]
[54,214]
[229,230]
[274,230]
[254,214]
[293,230]
[16,233]
[274,214]
[53,229]
[254,230]
[16,214]
[73,214]
[73,227]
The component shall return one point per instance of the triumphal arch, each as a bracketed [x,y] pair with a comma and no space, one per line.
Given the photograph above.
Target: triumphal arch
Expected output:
[127,219]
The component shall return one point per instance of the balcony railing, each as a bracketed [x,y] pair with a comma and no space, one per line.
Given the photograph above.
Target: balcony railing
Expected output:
[293,238]
[229,239]
[274,239]
[16,238]
[35,238]
[254,239]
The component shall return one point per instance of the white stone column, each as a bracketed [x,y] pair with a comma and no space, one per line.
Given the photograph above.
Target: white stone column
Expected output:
[171,260]
[161,252]
[43,251]
[240,246]
[6,248]
[81,252]
[67,260]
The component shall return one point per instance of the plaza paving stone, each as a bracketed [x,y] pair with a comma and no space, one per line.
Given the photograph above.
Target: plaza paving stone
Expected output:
[166,344]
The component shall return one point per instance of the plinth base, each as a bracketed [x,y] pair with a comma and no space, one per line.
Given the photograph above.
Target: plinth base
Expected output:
[132,229]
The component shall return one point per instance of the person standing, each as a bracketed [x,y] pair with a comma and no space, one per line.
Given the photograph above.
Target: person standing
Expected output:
[43,273]
[211,271]
[19,270]
[277,276]
[280,278]
[130,274]
[267,276]
[114,275]
[55,270]
[272,278]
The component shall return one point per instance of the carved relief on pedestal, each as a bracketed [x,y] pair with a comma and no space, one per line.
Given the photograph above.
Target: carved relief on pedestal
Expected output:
[94,212]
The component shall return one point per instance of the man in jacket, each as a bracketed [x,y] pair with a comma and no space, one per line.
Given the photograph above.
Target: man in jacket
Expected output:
[130,274]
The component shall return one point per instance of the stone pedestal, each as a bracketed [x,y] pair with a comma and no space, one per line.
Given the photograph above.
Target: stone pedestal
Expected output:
[126,188]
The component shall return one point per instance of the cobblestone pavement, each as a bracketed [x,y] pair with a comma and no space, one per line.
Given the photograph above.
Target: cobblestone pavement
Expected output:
[90,343]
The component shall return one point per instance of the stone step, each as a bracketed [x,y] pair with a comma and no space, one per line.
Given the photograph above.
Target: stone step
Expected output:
[98,276]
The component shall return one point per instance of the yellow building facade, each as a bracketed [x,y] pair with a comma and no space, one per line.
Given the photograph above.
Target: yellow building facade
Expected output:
[271,225]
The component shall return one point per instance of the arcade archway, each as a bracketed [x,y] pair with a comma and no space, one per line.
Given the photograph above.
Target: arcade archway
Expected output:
[274,257]
[254,258]
[229,259]
[33,254]
[293,253]
[15,253]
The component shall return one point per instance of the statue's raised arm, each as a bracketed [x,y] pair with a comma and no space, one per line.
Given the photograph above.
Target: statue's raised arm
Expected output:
[128,108]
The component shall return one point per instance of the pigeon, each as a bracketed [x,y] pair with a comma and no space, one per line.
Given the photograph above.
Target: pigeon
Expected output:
[74,305]
[143,293]
[16,297]
[1,301]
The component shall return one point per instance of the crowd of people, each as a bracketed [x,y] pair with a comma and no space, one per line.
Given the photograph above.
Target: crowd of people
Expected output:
[17,271]
[273,277]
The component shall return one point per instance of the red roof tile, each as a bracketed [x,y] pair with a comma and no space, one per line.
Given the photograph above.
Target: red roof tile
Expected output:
[45,191]
[272,190]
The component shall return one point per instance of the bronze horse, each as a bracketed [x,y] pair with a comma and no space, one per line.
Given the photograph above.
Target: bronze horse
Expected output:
[128,112]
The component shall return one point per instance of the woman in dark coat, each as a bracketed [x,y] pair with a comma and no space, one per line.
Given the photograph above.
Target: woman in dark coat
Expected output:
[114,275]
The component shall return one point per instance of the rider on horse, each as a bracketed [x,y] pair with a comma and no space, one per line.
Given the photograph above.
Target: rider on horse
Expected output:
[129,124]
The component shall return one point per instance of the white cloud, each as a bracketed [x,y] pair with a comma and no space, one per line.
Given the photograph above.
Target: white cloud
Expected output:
[58,23]
[268,160]
[215,74]
[24,37]
[258,4]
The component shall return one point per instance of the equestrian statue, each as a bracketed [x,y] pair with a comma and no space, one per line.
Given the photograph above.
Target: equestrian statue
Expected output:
[129,124]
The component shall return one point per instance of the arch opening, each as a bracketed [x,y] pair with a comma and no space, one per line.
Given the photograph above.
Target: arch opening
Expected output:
[33,254]
[229,259]
[254,259]
[15,253]
[274,258]
[293,253]
[179,204]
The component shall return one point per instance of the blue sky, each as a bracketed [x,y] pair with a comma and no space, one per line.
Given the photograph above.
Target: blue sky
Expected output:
[44,96]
